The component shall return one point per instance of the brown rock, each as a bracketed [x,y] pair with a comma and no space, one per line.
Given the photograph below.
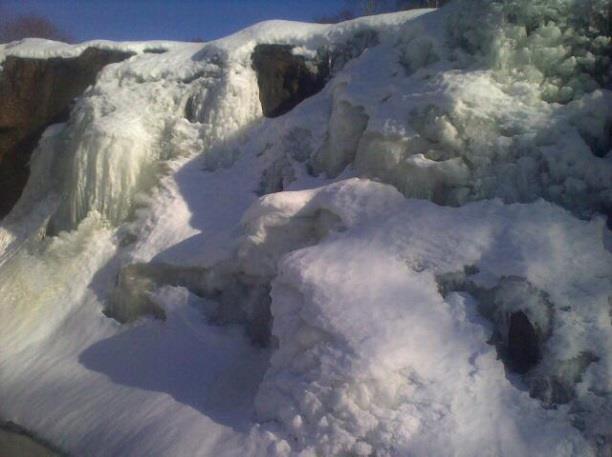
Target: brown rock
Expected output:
[285,79]
[35,93]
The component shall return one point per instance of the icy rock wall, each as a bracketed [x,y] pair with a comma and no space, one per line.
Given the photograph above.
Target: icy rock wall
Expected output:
[346,125]
[111,157]
[562,45]
[35,93]
[478,115]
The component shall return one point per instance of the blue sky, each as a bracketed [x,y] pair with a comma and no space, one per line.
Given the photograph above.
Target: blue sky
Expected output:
[166,19]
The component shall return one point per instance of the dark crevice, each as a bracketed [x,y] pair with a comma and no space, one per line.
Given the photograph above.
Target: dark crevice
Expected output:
[523,346]
[600,143]
[286,79]
[159,50]
[517,337]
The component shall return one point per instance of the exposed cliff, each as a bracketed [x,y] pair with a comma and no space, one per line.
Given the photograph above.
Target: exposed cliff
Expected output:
[35,93]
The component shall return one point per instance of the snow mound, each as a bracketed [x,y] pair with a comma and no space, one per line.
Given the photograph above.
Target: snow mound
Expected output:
[373,358]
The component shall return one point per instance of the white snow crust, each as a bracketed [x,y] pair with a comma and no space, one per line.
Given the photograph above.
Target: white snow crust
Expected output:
[382,232]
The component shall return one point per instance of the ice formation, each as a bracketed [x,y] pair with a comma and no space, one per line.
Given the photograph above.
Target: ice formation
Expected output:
[411,261]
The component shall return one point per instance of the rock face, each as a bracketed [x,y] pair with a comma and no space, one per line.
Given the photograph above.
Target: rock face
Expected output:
[35,93]
[286,79]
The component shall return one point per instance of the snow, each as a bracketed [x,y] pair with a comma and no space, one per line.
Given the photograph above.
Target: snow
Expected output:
[328,282]
[37,48]
[423,352]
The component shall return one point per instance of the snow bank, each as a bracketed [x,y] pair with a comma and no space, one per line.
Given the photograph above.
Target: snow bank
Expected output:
[372,358]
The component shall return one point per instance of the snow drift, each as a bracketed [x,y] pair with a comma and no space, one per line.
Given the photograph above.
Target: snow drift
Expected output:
[406,255]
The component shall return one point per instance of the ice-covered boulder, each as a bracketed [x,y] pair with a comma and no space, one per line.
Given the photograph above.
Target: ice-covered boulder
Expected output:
[368,329]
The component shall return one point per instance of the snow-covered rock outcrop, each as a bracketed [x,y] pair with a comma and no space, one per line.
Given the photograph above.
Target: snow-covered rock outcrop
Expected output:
[385,237]
[35,93]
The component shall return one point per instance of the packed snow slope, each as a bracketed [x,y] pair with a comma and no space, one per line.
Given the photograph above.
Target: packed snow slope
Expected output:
[413,261]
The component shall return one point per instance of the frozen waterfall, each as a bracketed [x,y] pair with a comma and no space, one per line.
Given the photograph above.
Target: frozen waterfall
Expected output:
[384,237]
